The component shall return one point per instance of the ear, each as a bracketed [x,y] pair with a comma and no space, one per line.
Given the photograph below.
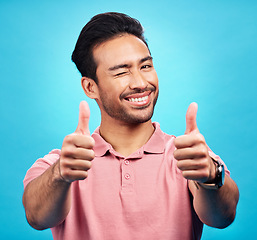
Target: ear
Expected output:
[90,87]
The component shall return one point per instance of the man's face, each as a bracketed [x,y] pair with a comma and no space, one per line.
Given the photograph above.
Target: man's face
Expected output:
[127,81]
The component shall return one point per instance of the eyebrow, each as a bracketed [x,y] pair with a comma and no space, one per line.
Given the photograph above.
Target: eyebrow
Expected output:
[129,65]
[146,59]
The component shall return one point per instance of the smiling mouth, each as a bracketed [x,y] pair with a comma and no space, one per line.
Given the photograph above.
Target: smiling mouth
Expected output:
[139,99]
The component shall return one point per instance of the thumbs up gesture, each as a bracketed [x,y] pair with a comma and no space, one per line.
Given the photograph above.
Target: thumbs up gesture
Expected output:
[192,152]
[77,149]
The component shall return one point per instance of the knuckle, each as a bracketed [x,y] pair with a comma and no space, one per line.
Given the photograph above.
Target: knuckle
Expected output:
[200,138]
[203,175]
[69,138]
[202,152]
[177,141]
[83,175]
[65,173]
[93,142]
[201,164]
[180,166]
[91,155]
[175,154]
[89,164]
[206,173]
[197,164]
[67,151]
[90,142]
[65,164]
[185,174]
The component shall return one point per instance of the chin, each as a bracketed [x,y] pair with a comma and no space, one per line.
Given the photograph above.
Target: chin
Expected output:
[130,119]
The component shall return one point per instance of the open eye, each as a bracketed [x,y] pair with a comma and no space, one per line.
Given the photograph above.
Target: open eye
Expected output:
[146,66]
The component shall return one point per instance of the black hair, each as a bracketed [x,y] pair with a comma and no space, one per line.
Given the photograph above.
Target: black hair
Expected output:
[99,29]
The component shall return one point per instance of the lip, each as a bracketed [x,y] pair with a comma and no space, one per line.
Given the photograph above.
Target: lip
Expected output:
[138,95]
[139,99]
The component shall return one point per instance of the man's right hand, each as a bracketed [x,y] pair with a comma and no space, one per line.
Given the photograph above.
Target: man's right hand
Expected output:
[77,150]
[47,199]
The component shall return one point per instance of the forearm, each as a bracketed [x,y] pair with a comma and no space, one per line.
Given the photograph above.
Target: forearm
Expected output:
[216,208]
[46,200]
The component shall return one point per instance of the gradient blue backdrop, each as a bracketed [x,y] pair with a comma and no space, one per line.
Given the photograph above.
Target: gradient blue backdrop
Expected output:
[204,51]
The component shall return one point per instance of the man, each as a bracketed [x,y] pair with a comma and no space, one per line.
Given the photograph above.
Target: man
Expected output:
[129,180]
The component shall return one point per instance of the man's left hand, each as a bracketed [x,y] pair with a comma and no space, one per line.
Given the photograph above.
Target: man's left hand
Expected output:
[192,152]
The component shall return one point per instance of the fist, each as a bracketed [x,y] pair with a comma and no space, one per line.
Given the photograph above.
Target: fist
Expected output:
[77,150]
[192,151]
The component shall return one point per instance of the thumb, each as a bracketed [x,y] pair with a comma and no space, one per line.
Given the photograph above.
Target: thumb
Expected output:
[84,114]
[191,125]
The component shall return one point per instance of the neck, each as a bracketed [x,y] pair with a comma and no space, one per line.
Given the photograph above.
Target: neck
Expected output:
[126,138]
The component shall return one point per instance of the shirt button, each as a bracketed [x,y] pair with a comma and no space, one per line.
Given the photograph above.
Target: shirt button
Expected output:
[127,176]
[126,162]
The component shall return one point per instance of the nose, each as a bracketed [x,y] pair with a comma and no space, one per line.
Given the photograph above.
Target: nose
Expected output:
[138,81]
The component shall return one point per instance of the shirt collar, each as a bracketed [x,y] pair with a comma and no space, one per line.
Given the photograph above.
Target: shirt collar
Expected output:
[101,146]
[154,145]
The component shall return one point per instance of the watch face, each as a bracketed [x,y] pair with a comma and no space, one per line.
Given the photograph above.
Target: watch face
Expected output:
[221,174]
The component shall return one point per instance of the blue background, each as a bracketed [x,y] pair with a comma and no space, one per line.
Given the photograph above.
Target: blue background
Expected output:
[204,51]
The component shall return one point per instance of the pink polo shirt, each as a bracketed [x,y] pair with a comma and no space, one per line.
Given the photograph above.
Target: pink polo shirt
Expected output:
[143,196]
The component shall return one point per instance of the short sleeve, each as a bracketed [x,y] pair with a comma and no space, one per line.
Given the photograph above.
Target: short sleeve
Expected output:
[41,165]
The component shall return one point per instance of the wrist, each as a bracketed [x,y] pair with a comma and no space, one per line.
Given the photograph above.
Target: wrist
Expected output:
[217,179]
[213,171]
[56,173]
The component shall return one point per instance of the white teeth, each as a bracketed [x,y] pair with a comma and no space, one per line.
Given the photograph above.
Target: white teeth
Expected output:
[138,99]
